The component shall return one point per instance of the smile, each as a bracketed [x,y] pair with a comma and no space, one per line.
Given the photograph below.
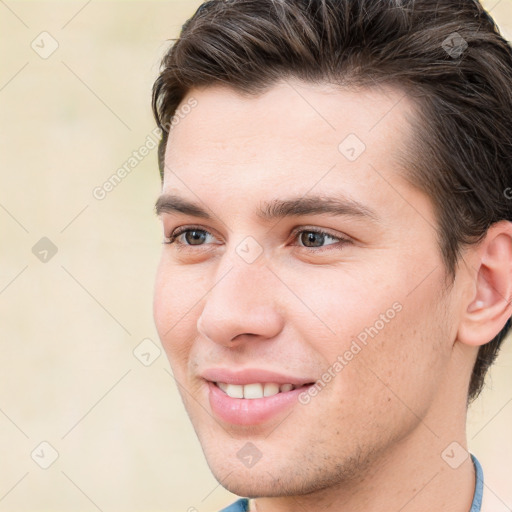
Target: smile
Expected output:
[255,390]
[247,404]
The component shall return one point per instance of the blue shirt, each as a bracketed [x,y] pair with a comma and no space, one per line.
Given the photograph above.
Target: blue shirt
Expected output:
[243,504]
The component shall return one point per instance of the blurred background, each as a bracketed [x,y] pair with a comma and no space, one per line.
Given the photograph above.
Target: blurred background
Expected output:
[90,417]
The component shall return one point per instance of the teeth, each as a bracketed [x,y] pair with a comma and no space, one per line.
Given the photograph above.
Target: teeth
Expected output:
[270,390]
[252,391]
[234,390]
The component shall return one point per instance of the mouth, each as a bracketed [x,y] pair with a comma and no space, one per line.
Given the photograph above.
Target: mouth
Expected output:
[257,390]
[253,403]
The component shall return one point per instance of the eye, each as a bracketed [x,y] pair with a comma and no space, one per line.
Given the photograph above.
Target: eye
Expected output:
[189,236]
[313,239]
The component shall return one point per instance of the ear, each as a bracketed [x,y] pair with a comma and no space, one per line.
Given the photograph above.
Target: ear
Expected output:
[489,304]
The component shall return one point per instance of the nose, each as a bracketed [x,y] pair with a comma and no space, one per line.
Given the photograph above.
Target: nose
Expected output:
[241,305]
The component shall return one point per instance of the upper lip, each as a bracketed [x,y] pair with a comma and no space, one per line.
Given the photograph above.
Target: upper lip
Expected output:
[251,376]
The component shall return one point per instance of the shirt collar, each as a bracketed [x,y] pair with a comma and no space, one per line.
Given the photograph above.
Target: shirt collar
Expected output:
[479,486]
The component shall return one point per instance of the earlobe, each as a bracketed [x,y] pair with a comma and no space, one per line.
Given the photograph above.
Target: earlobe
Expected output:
[490,304]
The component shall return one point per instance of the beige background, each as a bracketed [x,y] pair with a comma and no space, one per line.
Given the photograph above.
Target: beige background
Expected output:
[69,325]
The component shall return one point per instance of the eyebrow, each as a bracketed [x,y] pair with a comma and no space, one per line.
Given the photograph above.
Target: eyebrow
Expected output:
[276,208]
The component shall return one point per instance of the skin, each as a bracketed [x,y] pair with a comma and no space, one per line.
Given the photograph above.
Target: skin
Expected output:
[376,432]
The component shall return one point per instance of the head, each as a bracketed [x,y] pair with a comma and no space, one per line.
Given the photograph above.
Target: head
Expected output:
[401,118]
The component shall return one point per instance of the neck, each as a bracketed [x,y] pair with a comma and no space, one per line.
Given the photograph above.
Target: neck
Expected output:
[407,480]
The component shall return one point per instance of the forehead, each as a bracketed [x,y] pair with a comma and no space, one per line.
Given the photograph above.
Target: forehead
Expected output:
[292,138]
[290,119]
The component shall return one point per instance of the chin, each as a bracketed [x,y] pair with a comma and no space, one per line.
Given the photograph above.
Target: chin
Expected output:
[253,484]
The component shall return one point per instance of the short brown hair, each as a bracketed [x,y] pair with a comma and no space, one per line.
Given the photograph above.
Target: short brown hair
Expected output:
[448,56]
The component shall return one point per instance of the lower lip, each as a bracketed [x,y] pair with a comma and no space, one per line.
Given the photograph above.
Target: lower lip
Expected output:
[244,411]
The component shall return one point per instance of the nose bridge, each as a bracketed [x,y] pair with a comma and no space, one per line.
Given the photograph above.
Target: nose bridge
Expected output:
[240,301]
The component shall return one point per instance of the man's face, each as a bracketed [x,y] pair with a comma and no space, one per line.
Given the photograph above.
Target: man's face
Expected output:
[244,293]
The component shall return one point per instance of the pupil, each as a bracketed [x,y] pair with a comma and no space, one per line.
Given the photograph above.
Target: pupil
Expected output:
[309,237]
[194,236]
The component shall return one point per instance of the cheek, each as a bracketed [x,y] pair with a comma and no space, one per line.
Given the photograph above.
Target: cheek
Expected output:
[389,344]
[385,390]
[339,305]
[173,312]
[162,301]
[404,363]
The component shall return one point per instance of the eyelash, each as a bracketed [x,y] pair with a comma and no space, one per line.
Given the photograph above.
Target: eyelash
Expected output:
[172,239]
